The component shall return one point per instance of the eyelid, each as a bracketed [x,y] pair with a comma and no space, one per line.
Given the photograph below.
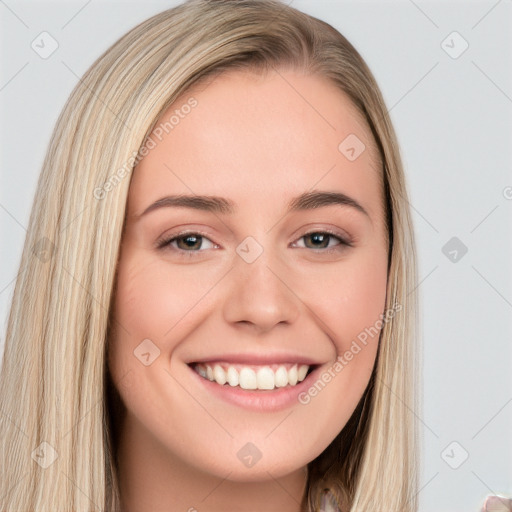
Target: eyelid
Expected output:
[342,235]
[165,243]
[344,242]
[166,240]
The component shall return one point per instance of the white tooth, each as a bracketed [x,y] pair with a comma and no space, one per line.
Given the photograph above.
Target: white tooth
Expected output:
[248,379]
[292,375]
[219,375]
[265,377]
[201,371]
[301,373]
[209,372]
[232,376]
[281,377]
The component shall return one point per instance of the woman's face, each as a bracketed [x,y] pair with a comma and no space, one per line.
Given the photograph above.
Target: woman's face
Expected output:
[254,252]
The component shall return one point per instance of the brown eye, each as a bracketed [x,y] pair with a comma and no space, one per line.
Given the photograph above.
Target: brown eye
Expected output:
[322,240]
[318,240]
[188,242]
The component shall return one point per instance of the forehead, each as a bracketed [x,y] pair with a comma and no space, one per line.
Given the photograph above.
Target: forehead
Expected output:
[255,137]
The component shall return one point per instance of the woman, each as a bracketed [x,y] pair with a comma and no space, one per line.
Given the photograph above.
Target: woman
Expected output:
[218,305]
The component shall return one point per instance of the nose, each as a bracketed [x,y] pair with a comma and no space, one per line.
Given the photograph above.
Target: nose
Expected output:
[259,295]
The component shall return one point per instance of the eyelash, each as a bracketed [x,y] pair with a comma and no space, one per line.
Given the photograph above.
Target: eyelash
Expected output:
[165,243]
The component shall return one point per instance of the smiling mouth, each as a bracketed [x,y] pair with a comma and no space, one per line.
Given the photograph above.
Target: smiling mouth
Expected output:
[250,377]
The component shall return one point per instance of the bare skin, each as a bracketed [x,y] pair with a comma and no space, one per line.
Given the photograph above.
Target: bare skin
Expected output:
[257,141]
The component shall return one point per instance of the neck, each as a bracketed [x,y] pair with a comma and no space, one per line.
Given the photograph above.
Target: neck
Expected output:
[152,478]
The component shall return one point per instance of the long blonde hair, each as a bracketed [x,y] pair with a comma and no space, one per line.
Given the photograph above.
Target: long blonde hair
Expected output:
[54,405]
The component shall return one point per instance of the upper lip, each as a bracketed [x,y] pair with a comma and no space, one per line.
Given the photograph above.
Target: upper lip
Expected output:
[257,359]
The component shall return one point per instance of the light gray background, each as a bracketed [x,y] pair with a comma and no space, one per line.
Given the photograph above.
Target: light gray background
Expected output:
[453,117]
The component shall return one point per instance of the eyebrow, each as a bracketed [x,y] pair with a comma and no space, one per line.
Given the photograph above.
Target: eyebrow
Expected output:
[221,205]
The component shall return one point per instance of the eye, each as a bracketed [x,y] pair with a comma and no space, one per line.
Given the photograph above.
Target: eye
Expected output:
[187,242]
[322,240]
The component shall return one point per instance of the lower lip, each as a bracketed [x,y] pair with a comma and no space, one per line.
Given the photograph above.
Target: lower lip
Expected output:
[259,400]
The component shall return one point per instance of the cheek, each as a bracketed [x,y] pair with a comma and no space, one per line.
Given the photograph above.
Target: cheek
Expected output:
[154,309]
[348,306]
[363,291]
[147,306]
[152,301]
[349,300]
